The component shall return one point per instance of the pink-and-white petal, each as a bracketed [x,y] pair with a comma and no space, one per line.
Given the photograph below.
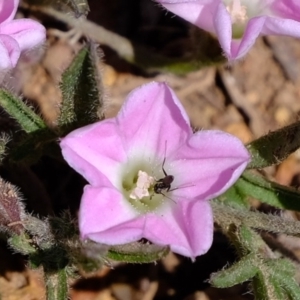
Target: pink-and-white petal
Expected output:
[103,216]
[208,164]
[96,150]
[204,164]
[187,228]
[239,48]
[262,26]
[289,9]
[223,28]
[8,10]
[199,12]
[26,32]
[151,116]
[278,26]
[277,17]
[9,52]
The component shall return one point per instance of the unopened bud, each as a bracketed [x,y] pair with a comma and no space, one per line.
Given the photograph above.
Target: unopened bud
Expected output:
[11,208]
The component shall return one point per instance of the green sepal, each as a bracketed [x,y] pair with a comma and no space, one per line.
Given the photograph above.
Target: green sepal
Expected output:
[82,91]
[23,114]
[274,147]
[21,243]
[268,192]
[137,253]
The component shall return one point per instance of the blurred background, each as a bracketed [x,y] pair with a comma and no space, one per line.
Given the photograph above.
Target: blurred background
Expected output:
[248,99]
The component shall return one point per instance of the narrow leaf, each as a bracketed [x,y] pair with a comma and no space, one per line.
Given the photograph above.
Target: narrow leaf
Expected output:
[284,272]
[274,147]
[82,91]
[265,287]
[227,216]
[269,192]
[240,272]
[235,197]
[17,109]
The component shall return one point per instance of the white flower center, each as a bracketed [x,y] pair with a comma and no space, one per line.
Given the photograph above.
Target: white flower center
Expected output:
[237,11]
[143,184]
[242,10]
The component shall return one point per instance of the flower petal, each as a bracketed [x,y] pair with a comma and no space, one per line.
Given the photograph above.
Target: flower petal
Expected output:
[26,32]
[289,9]
[263,26]
[198,12]
[105,217]
[207,165]
[187,228]
[279,26]
[8,9]
[9,52]
[223,28]
[152,116]
[239,48]
[95,150]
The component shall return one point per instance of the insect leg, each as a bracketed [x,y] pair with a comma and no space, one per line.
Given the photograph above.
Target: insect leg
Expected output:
[165,159]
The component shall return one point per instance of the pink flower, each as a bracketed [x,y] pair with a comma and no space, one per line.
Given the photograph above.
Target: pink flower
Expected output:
[16,36]
[238,23]
[124,158]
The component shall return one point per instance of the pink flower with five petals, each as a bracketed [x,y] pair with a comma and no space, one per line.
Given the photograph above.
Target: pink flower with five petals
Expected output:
[16,36]
[238,23]
[124,158]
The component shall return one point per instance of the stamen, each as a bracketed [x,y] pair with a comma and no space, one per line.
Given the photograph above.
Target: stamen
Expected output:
[144,182]
[237,11]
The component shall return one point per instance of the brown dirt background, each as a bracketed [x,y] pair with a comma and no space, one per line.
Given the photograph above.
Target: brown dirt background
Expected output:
[248,99]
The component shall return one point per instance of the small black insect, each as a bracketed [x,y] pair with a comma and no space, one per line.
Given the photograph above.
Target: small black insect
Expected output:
[163,184]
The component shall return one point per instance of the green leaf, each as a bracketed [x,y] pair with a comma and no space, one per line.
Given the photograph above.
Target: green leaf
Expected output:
[235,197]
[82,91]
[265,287]
[268,192]
[276,280]
[227,217]
[17,109]
[274,147]
[137,253]
[271,278]
[283,272]
[240,272]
